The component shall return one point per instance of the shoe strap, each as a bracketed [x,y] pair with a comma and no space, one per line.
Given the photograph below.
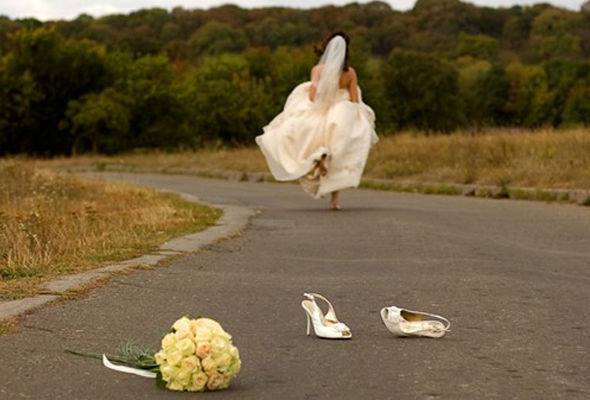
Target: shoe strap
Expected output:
[331,314]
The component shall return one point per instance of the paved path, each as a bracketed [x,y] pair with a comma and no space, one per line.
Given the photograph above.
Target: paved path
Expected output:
[514,278]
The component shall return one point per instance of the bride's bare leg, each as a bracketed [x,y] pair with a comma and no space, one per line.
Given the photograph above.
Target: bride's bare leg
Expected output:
[335,201]
[322,166]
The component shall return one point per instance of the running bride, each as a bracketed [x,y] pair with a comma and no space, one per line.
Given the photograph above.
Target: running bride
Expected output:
[323,136]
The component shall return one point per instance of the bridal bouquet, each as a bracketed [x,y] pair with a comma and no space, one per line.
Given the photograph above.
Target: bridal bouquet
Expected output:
[196,355]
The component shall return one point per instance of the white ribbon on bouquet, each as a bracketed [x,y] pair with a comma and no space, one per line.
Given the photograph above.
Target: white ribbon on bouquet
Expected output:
[127,370]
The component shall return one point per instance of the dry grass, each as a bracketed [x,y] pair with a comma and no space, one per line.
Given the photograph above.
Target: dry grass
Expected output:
[543,159]
[9,326]
[193,162]
[518,158]
[53,224]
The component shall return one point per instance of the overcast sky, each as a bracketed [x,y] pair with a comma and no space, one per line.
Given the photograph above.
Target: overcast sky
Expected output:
[52,9]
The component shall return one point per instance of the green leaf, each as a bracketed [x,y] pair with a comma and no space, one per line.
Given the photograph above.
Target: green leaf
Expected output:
[160,382]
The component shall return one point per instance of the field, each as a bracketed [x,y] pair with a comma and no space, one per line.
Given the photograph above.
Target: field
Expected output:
[558,159]
[53,224]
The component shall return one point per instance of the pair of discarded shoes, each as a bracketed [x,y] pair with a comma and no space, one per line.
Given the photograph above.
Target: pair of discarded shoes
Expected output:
[399,321]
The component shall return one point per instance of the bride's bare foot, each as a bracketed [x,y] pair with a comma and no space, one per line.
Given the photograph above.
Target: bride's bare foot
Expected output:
[334,202]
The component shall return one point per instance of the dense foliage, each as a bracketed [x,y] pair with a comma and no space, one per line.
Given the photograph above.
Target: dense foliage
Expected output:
[155,78]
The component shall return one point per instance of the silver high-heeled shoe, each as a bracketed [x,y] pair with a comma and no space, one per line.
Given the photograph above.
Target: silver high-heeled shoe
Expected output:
[405,323]
[325,326]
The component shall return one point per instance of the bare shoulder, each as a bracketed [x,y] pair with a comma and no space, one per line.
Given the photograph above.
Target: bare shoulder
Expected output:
[350,75]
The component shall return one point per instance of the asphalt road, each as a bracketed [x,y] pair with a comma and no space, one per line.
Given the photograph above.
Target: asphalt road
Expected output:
[513,277]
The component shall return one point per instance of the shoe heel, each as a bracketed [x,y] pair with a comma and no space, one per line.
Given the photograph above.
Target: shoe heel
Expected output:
[308,324]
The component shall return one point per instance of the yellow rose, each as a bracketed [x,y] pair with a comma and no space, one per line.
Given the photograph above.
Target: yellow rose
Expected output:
[203,334]
[223,362]
[160,357]
[226,380]
[209,323]
[235,367]
[215,382]
[183,377]
[203,349]
[219,344]
[175,386]
[193,325]
[209,365]
[183,324]
[198,382]
[169,372]
[190,364]
[180,335]
[186,347]
[174,357]
[168,341]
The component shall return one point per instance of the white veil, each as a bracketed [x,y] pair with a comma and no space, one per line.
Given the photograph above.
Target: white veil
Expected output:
[331,65]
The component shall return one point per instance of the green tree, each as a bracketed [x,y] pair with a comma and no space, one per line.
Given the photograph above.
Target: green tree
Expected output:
[225,102]
[157,113]
[59,70]
[554,34]
[99,122]
[577,107]
[492,90]
[471,70]
[423,91]
[478,46]
[528,89]
[562,76]
[17,95]
[216,38]
[290,67]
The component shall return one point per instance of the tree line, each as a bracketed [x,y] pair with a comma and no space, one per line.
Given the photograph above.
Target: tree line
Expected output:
[184,78]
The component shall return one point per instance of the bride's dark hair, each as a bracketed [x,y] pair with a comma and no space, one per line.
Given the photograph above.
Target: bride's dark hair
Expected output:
[319,50]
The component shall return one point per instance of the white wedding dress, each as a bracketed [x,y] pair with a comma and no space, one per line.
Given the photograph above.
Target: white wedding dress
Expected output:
[330,126]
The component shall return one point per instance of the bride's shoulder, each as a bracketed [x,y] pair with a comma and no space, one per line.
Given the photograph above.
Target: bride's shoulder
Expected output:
[350,76]
[350,71]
